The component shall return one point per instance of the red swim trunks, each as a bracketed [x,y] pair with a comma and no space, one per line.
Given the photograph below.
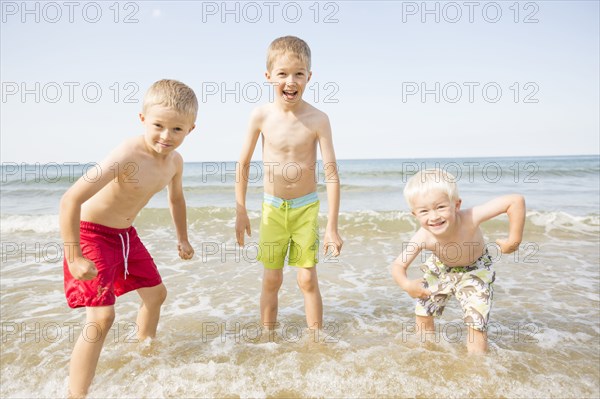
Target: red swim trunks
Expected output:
[123,264]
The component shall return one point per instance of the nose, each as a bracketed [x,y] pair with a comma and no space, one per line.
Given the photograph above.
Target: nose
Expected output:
[290,79]
[165,134]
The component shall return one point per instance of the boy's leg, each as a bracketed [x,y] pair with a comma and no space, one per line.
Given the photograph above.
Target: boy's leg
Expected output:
[313,304]
[475,293]
[87,349]
[425,327]
[272,279]
[476,341]
[152,300]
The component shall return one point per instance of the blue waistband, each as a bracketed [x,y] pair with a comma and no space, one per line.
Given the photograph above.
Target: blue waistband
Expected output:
[292,203]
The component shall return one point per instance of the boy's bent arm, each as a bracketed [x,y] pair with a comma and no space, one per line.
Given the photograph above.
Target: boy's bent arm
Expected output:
[332,183]
[242,223]
[409,253]
[179,211]
[514,206]
[70,215]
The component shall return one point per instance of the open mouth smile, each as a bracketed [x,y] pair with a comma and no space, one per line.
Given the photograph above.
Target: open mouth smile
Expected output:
[437,224]
[290,94]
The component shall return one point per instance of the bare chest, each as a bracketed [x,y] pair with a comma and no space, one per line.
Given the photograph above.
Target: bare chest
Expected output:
[461,250]
[143,179]
[287,136]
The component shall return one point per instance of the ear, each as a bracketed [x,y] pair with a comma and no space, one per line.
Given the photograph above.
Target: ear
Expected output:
[193,127]
[458,203]
[268,75]
[142,117]
[309,76]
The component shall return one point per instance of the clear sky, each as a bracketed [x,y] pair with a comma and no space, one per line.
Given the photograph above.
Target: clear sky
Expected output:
[397,79]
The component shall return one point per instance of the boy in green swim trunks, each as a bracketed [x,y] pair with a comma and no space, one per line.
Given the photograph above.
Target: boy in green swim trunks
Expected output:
[460,265]
[291,129]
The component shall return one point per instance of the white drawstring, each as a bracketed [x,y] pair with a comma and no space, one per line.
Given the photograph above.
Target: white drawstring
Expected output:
[125,253]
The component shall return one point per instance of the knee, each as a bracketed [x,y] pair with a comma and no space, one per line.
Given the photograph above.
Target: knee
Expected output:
[154,297]
[308,282]
[161,295]
[272,281]
[424,323]
[158,297]
[103,319]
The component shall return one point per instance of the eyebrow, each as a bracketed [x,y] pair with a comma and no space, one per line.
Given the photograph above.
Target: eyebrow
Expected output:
[433,204]
[303,68]
[178,124]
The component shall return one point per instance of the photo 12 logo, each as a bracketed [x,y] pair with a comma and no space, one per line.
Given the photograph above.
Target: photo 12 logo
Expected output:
[456,332]
[254,92]
[270,12]
[71,92]
[453,12]
[252,332]
[471,92]
[37,252]
[53,12]
[54,172]
[254,172]
[453,251]
[489,172]
[253,252]
[51,332]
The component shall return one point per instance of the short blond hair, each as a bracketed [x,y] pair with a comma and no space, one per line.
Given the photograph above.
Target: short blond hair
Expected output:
[288,45]
[172,94]
[428,180]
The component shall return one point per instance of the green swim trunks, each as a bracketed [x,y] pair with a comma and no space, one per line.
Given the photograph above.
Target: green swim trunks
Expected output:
[471,285]
[289,224]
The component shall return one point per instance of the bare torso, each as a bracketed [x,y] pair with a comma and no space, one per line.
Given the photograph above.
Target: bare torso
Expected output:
[461,248]
[143,175]
[289,142]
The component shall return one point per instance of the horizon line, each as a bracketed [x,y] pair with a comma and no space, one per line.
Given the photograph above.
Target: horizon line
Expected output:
[359,159]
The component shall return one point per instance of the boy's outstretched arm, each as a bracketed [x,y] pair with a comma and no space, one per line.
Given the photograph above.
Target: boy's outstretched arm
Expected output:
[514,206]
[242,223]
[410,250]
[332,238]
[179,211]
[70,212]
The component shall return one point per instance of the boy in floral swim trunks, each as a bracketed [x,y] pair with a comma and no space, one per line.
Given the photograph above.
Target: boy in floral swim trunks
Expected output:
[460,265]
[104,256]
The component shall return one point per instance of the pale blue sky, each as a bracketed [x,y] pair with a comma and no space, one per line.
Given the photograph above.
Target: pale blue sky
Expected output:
[367,61]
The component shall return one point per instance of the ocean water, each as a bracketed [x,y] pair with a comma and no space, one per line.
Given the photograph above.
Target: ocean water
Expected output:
[545,323]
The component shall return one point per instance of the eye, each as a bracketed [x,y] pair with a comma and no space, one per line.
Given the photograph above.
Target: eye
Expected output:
[281,74]
[157,125]
[178,129]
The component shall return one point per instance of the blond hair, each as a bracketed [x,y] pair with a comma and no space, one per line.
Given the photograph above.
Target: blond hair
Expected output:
[288,45]
[428,180]
[172,94]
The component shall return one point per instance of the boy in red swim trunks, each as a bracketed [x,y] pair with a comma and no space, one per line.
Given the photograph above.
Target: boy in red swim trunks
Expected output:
[104,256]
